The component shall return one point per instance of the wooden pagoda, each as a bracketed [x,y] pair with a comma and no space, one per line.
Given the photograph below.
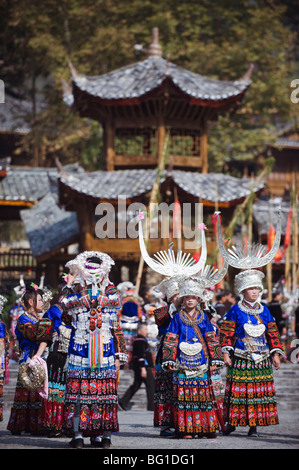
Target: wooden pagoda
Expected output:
[154,115]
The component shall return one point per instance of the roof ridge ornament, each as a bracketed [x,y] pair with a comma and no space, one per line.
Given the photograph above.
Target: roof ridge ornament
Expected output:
[155,49]
[247,76]
[245,256]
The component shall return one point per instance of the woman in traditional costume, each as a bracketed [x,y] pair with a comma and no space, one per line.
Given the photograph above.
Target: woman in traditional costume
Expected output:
[163,377]
[53,406]
[250,341]
[96,350]
[34,335]
[250,344]
[191,351]
[4,359]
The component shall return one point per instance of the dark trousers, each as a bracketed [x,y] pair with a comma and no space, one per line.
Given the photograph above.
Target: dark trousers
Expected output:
[149,382]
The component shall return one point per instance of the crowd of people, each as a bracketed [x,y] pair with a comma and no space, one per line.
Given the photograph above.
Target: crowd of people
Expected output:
[176,337]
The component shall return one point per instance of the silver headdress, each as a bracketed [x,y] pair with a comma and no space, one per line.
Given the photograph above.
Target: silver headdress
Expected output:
[20,289]
[210,277]
[47,297]
[190,286]
[249,278]
[168,264]
[244,256]
[3,301]
[168,287]
[92,268]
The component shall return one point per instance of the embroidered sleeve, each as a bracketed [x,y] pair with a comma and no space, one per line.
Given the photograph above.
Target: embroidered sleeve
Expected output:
[68,302]
[119,343]
[161,315]
[113,296]
[227,335]
[38,332]
[170,348]
[273,338]
[214,348]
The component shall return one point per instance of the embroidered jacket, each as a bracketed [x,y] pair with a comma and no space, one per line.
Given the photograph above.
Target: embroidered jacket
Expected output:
[163,320]
[4,343]
[191,346]
[237,332]
[30,332]
[97,319]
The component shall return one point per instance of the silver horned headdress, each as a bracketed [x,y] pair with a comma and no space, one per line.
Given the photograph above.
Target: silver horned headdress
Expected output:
[169,264]
[168,287]
[209,277]
[245,256]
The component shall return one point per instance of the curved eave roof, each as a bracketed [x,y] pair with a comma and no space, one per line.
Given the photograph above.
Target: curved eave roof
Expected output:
[211,187]
[110,185]
[214,187]
[135,81]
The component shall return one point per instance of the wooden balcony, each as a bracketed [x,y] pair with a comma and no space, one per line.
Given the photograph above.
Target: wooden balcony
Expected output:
[16,259]
[127,249]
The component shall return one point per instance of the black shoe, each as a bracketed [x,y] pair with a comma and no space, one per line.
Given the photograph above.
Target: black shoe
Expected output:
[253,432]
[94,442]
[77,443]
[229,429]
[122,406]
[167,433]
[105,444]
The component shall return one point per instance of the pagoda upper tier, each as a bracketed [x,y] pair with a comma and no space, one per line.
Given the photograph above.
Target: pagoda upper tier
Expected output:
[152,88]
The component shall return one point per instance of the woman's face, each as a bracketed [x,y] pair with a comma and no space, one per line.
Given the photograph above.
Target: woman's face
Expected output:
[251,294]
[39,303]
[190,301]
[174,298]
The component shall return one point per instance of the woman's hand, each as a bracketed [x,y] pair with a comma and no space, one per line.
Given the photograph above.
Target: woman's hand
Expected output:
[227,359]
[71,279]
[276,361]
[117,364]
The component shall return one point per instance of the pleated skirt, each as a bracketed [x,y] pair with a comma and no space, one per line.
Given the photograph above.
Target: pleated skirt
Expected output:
[192,409]
[250,394]
[91,402]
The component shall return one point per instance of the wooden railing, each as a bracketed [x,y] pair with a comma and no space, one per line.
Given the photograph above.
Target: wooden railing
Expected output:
[16,259]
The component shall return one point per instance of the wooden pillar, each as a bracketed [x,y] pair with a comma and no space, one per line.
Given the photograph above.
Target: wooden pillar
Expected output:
[84,214]
[204,150]
[161,135]
[109,145]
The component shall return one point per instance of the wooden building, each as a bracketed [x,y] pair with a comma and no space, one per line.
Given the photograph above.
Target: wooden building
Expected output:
[155,116]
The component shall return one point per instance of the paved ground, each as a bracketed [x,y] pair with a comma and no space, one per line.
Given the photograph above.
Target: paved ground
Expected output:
[137,432]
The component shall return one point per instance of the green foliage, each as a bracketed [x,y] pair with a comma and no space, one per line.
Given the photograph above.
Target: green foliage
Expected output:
[218,39]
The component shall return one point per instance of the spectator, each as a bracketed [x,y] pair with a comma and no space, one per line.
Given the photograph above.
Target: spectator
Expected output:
[276,311]
[142,364]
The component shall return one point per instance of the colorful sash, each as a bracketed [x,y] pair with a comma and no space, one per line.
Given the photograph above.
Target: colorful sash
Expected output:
[95,348]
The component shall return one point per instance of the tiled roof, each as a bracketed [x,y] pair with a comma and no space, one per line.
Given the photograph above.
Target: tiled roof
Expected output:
[214,186]
[132,183]
[111,184]
[265,214]
[30,184]
[138,79]
[286,142]
[26,184]
[49,227]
